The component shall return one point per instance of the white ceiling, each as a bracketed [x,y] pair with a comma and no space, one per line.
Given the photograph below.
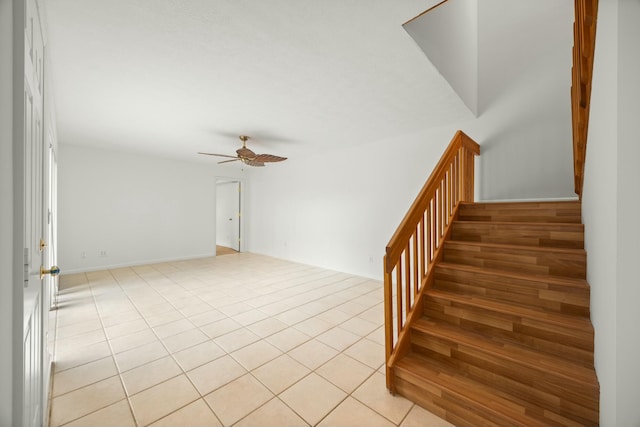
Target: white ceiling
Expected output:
[173,77]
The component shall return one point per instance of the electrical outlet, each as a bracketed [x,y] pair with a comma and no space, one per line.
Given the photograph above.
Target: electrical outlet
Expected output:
[103,253]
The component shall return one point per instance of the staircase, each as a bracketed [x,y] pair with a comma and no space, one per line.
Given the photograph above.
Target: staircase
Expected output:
[504,336]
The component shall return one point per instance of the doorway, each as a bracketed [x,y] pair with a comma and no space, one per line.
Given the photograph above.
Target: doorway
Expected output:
[228,216]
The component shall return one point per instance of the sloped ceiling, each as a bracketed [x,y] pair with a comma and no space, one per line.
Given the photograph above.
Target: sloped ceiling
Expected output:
[173,77]
[480,47]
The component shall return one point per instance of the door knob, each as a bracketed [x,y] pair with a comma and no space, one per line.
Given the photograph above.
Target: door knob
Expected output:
[54,271]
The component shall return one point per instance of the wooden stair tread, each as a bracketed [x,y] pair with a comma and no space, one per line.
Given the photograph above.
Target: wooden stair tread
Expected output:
[558,319]
[524,224]
[555,280]
[566,212]
[475,395]
[516,248]
[513,353]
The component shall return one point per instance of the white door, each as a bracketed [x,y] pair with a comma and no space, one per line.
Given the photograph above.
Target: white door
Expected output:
[36,356]
[228,214]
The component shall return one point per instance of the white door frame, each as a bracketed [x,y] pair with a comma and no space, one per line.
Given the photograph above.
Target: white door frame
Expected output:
[241,208]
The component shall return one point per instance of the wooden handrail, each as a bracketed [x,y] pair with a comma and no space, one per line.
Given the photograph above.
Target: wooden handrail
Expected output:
[584,37]
[416,245]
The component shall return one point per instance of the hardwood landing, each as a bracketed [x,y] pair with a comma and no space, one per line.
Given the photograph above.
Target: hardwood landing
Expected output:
[223,250]
[506,337]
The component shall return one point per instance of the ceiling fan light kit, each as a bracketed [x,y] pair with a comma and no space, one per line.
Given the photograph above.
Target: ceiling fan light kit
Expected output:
[247,156]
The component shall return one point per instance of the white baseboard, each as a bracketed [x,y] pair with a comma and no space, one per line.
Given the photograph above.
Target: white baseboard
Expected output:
[132,263]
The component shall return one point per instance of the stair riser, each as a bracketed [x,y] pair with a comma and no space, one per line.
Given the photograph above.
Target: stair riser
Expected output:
[536,386]
[561,299]
[558,236]
[453,408]
[449,407]
[565,264]
[563,341]
[522,212]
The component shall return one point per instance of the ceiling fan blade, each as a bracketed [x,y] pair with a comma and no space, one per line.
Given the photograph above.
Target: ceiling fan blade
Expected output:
[269,158]
[244,152]
[228,161]
[219,155]
[254,163]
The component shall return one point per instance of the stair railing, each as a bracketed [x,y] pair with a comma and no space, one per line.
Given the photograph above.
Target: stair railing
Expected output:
[584,40]
[417,243]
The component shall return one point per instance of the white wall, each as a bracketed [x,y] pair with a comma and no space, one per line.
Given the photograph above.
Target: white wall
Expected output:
[599,203]
[448,35]
[338,209]
[628,231]
[137,208]
[610,205]
[6,212]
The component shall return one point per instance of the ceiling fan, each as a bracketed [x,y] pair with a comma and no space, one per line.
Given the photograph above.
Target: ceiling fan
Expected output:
[247,156]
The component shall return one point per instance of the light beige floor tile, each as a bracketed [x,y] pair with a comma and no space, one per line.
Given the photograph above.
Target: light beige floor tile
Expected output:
[80,340]
[419,417]
[313,398]
[126,328]
[238,398]
[359,326]
[186,339]
[280,373]
[198,355]
[235,309]
[173,328]
[116,319]
[272,414]
[374,315]
[334,316]
[145,376]
[220,327]
[236,339]
[149,306]
[288,339]
[293,316]
[345,372]
[86,400]
[155,320]
[353,413]
[377,336]
[375,395]
[215,374]
[250,317]
[267,327]
[187,304]
[78,328]
[352,308]
[313,353]
[256,354]
[134,340]
[338,338]
[119,414]
[83,375]
[313,326]
[196,414]
[207,317]
[275,308]
[79,356]
[163,399]
[140,355]
[367,352]
[194,309]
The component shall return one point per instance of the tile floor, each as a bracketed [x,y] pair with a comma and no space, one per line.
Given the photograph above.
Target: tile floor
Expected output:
[239,340]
